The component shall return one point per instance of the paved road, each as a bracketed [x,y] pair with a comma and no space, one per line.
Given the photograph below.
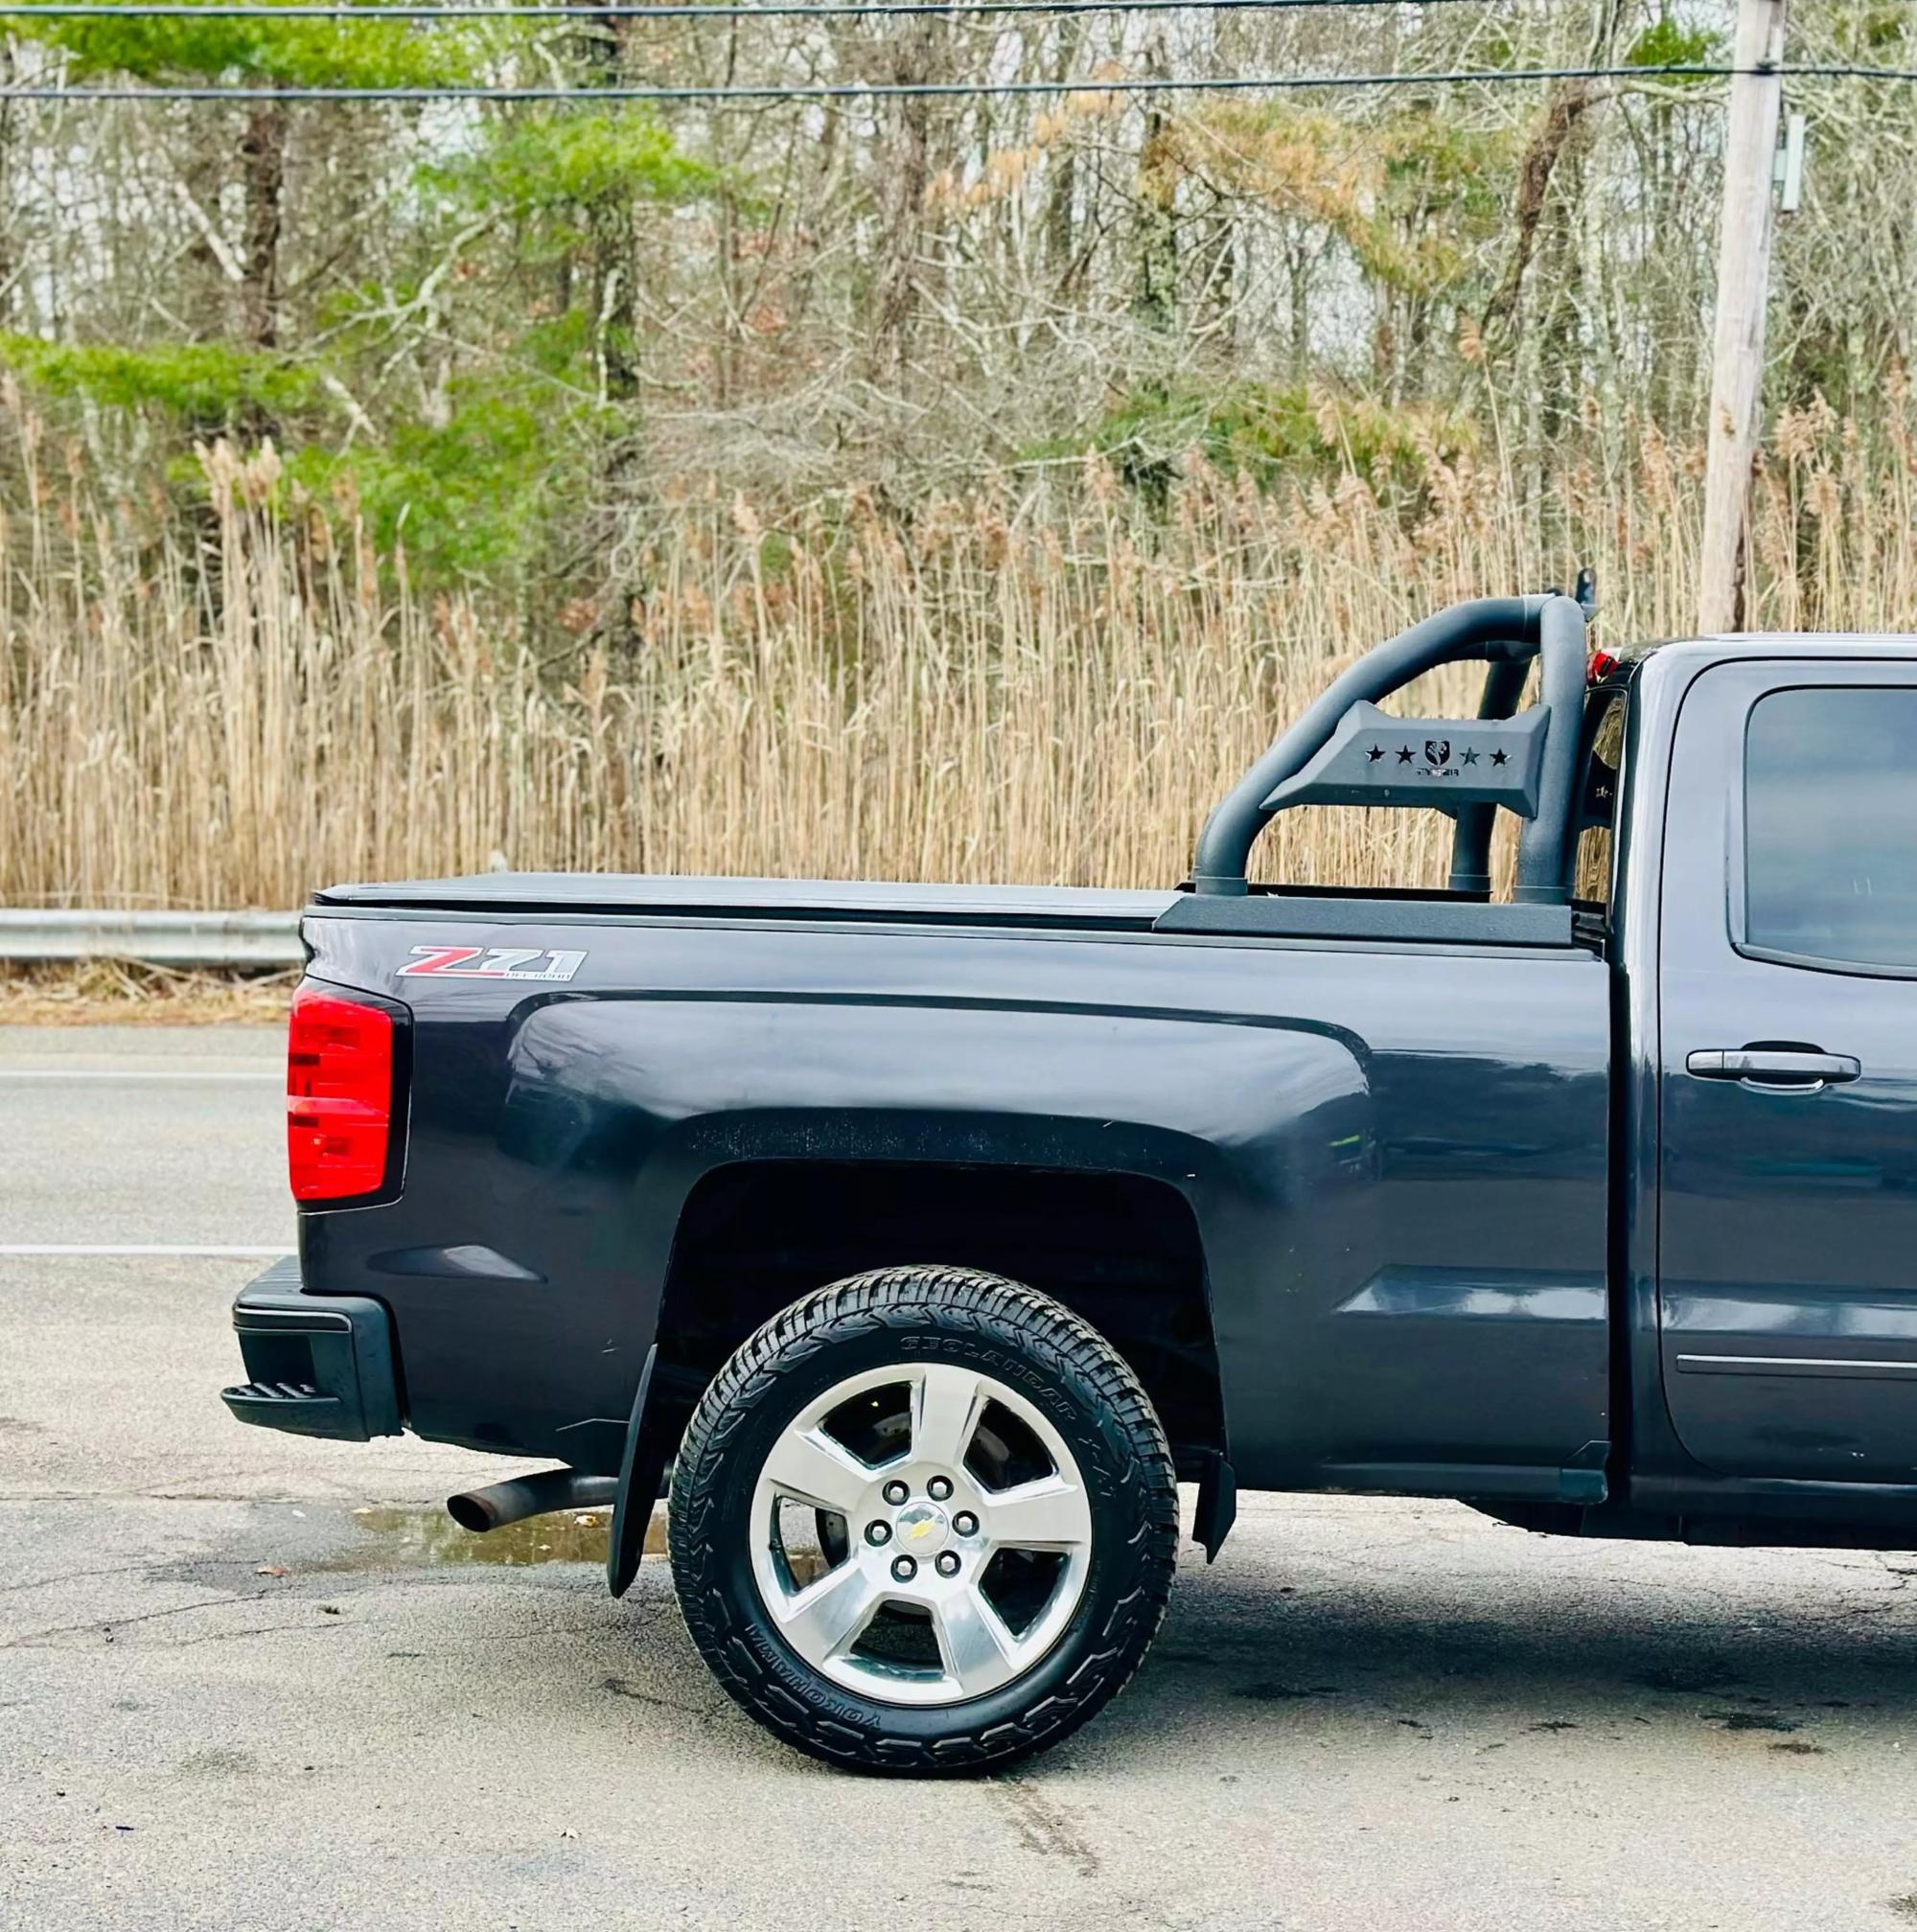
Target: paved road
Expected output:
[143,1134]
[1366,1714]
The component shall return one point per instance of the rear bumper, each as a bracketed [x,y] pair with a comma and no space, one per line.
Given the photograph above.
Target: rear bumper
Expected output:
[316,1364]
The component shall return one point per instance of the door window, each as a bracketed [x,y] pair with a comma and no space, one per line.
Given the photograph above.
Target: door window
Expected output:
[1830,829]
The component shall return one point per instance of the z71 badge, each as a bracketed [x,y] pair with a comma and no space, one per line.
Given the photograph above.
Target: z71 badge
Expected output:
[491,962]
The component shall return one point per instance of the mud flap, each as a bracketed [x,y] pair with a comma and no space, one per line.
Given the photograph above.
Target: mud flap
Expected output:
[1218,1506]
[640,1470]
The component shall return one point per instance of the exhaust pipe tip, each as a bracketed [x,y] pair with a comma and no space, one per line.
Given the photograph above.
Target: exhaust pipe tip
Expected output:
[472,1510]
[540,1494]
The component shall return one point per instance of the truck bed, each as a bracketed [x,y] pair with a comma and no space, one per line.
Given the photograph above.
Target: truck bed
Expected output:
[1392,1156]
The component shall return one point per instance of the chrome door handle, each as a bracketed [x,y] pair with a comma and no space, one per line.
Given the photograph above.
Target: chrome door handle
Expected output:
[1781,1067]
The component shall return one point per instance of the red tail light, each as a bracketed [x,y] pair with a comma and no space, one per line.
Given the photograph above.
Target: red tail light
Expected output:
[339,1097]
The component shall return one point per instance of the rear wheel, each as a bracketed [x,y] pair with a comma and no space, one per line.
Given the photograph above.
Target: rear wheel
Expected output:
[923,1522]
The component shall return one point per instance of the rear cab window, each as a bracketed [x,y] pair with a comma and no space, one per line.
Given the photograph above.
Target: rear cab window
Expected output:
[1600,768]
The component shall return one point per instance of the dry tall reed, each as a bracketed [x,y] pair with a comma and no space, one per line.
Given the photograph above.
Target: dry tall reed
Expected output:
[1047,689]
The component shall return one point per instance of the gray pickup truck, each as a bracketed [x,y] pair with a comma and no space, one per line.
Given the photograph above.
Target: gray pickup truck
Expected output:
[929,1235]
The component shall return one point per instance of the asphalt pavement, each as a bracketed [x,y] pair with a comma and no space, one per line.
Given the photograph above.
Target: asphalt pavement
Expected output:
[247,1681]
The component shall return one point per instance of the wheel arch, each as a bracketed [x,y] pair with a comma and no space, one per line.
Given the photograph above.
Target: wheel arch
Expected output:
[1121,1248]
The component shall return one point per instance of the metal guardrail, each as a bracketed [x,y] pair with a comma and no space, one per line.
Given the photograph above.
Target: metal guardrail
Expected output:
[153,938]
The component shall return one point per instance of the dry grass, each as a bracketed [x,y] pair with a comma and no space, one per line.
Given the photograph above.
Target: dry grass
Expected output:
[1049,688]
[118,993]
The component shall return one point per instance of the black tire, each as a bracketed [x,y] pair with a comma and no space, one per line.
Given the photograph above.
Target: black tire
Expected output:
[1005,1329]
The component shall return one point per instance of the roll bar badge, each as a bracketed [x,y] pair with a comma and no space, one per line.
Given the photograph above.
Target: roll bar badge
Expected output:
[491,962]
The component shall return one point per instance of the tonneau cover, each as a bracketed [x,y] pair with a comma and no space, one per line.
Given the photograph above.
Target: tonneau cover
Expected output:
[646,894]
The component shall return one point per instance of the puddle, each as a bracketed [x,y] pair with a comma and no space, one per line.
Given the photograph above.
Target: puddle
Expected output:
[423,1536]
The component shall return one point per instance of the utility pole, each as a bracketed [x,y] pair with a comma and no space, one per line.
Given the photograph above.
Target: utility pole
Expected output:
[1743,286]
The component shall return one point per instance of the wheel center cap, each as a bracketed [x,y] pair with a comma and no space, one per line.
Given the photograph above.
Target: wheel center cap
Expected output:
[921,1530]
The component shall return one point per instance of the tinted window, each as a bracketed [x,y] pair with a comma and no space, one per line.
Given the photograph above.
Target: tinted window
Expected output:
[1604,756]
[1831,826]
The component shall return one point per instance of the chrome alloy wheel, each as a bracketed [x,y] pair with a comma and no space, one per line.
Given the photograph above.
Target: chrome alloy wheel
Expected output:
[948,1524]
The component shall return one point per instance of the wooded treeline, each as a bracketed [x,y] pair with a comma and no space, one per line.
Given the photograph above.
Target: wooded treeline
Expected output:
[514,331]
[594,386]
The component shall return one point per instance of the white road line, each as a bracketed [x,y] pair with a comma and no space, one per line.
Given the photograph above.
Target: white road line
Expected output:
[267,1252]
[93,1074]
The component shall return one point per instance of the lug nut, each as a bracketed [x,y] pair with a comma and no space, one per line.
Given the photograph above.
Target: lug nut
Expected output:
[966,1522]
[948,1562]
[904,1569]
[878,1532]
[939,1488]
[895,1492]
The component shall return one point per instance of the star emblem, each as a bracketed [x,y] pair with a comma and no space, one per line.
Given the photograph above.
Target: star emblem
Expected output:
[1500,758]
[1375,754]
[1404,754]
[1471,758]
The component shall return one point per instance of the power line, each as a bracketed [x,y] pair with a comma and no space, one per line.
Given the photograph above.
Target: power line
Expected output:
[844,91]
[673,10]
[878,90]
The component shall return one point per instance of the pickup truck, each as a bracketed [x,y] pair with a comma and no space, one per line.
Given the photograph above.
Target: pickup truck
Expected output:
[929,1236]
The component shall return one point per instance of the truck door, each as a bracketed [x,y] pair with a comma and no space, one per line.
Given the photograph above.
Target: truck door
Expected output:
[1787,1101]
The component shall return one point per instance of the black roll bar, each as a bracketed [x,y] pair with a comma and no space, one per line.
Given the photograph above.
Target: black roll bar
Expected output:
[1505,631]
[1472,843]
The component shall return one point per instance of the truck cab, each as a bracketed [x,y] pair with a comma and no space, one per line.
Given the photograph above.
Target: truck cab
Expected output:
[1764,935]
